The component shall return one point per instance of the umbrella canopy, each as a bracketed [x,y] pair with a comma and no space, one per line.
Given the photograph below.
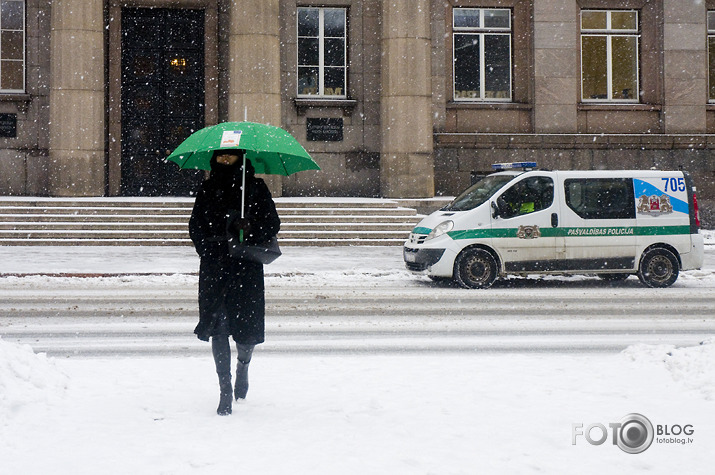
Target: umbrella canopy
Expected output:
[271,150]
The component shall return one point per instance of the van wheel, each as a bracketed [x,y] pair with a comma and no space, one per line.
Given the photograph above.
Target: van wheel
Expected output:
[659,268]
[475,269]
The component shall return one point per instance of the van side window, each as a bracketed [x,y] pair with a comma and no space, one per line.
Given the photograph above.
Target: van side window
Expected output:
[601,198]
[527,196]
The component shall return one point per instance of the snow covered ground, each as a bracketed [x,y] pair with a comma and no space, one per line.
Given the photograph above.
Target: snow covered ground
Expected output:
[435,413]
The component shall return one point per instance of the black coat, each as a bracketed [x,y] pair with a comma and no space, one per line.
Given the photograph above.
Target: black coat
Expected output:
[227,284]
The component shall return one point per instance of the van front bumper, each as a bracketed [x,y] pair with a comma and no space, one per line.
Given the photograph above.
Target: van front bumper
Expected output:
[419,260]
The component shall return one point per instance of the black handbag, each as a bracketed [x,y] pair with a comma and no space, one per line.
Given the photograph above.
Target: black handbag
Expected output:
[261,252]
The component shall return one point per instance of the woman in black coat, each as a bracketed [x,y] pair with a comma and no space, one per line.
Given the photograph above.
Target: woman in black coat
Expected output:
[231,291]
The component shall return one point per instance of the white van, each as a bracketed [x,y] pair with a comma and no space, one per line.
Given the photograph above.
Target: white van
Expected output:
[521,220]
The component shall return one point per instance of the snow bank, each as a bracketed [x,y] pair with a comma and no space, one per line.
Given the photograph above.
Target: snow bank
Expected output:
[690,366]
[27,378]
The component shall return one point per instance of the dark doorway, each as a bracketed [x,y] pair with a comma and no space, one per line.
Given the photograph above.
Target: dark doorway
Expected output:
[162,91]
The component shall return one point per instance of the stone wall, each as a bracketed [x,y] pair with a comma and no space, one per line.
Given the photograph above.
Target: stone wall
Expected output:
[351,166]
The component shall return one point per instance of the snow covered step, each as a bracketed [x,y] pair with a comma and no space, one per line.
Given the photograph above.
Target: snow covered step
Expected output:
[330,211]
[94,241]
[138,231]
[348,227]
[42,210]
[343,241]
[98,202]
[349,218]
[188,203]
[92,226]
[93,218]
[132,227]
[301,217]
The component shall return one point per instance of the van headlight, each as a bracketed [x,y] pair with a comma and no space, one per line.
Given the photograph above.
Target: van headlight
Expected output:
[441,228]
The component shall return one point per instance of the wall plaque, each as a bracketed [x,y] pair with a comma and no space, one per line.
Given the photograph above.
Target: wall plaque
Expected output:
[8,125]
[325,130]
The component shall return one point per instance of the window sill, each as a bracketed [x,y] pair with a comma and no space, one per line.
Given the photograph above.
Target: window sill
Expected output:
[619,106]
[347,105]
[489,105]
[22,100]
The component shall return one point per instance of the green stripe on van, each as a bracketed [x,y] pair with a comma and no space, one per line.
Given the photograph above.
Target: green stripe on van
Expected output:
[613,231]
[662,230]
[484,233]
[420,230]
[624,231]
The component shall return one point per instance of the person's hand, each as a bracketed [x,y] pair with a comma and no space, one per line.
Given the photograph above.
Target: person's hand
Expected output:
[241,225]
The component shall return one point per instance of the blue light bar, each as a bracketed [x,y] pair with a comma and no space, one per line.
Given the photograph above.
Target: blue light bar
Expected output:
[514,166]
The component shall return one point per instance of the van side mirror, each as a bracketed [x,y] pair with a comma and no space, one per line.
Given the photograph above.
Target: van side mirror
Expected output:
[495,210]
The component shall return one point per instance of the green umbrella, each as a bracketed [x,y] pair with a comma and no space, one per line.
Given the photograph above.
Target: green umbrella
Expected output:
[271,150]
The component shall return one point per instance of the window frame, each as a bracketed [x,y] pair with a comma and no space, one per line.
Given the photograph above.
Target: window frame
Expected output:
[481,32]
[711,55]
[321,53]
[23,61]
[609,33]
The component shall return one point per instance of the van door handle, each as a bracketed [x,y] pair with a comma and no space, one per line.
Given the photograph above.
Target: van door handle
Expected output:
[554,220]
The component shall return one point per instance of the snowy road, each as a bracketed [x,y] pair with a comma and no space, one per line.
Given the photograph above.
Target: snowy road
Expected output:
[366,369]
[130,316]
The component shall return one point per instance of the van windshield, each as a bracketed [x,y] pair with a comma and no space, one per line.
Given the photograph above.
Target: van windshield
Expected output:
[478,193]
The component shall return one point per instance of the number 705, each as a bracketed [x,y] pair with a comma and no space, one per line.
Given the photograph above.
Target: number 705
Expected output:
[675,184]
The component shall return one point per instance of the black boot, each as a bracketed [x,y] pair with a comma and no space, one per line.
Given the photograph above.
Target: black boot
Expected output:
[241,388]
[222,357]
[226,401]
[244,358]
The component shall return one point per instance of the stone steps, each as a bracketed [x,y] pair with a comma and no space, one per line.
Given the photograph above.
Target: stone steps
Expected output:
[164,222]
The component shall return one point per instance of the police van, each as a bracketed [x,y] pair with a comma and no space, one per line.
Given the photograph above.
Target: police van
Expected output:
[521,220]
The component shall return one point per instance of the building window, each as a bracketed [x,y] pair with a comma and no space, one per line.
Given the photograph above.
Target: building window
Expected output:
[482,54]
[609,55]
[12,46]
[711,56]
[322,52]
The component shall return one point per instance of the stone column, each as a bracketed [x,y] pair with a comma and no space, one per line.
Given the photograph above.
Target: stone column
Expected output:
[76,131]
[254,62]
[556,66]
[254,66]
[685,66]
[406,162]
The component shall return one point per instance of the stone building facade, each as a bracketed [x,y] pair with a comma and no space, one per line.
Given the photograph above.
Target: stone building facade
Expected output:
[393,98]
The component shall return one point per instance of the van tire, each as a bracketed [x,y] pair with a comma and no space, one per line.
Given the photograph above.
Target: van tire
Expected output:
[475,269]
[659,268]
